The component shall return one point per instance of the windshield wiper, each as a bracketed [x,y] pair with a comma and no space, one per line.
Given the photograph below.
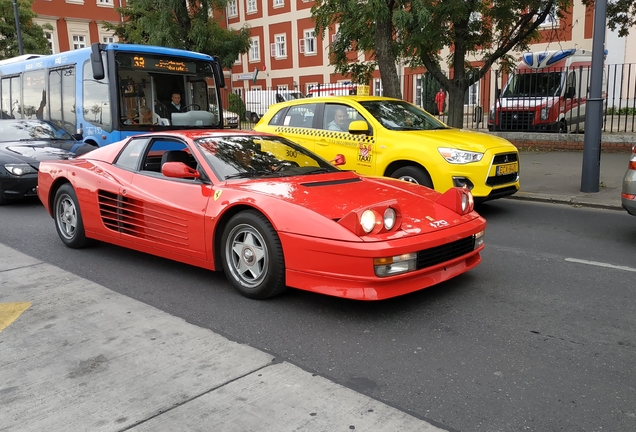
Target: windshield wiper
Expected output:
[250,174]
[319,171]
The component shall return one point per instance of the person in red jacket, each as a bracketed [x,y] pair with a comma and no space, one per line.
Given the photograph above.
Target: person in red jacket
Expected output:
[440,97]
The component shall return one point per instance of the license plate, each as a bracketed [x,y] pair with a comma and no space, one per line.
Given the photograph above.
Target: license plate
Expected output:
[506,169]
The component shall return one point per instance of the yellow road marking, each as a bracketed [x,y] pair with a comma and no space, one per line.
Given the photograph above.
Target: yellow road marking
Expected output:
[10,312]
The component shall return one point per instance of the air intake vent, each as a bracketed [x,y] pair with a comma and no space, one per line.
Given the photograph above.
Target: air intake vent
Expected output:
[136,218]
[440,254]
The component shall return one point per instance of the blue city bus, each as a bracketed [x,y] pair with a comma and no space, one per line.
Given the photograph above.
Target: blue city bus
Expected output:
[98,93]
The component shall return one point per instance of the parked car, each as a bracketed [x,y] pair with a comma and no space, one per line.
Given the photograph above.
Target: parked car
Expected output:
[393,138]
[628,194]
[23,145]
[230,119]
[268,212]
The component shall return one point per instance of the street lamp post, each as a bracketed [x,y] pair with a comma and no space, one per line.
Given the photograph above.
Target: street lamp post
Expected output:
[17,26]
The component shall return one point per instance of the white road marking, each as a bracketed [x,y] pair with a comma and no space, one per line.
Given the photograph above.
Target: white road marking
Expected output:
[600,264]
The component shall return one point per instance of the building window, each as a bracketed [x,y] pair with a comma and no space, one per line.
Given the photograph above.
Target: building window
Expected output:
[108,39]
[79,42]
[231,8]
[255,50]
[251,6]
[105,3]
[551,20]
[49,37]
[279,3]
[278,47]
[377,87]
[308,42]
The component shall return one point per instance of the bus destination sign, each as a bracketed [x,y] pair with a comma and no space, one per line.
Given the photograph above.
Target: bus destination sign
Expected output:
[159,64]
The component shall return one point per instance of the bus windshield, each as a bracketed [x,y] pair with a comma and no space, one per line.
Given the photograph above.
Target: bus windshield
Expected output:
[167,91]
[534,84]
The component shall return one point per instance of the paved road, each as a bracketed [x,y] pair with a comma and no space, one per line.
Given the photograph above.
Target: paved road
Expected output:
[539,337]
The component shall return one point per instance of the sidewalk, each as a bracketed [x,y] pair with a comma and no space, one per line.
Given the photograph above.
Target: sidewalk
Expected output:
[81,357]
[556,177]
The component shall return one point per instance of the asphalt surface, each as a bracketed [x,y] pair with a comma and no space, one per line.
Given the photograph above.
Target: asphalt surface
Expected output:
[75,355]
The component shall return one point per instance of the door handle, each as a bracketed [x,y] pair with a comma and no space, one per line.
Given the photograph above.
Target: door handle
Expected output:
[323,143]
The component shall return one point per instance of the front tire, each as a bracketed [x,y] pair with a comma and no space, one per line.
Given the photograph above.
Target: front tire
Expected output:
[252,256]
[413,174]
[68,218]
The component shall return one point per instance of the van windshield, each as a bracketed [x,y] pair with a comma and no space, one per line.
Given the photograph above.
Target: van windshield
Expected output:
[534,84]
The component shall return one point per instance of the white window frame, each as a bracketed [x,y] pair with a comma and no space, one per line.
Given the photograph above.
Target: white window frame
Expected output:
[232,10]
[378,90]
[552,20]
[105,3]
[307,45]
[279,3]
[109,39]
[255,44]
[79,41]
[252,6]
[51,38]
[279,48]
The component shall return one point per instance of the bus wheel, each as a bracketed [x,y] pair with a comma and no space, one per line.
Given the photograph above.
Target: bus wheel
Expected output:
[413,174]
[563,128]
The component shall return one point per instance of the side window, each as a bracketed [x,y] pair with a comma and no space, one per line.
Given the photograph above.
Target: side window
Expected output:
[131,154]
[61,98]
[167,150]
[572,81]
[34,94]
[337,117]
[96,100]
[277,118]
[300,116]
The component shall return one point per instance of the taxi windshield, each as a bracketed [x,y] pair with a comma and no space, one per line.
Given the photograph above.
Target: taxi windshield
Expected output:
[401,116]
[253,156]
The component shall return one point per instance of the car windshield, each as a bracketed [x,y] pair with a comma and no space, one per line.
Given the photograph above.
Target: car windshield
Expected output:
[253,156]
[399,115]
[534,84]
[27,130]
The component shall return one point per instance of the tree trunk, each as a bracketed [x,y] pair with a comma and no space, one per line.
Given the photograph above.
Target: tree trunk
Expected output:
[456,94]
[386,59]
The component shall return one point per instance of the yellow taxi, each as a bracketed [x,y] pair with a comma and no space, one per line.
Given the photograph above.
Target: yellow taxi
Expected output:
[390,137]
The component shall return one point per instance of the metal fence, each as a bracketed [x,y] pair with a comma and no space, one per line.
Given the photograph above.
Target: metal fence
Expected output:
[528,102]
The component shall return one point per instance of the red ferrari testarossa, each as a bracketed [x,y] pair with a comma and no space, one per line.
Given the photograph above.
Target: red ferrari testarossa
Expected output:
[268,212]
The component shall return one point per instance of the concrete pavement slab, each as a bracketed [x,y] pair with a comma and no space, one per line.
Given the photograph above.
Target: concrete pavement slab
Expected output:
[83,357]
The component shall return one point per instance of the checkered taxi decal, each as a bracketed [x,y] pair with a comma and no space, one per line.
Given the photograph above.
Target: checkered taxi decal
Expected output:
[364,143]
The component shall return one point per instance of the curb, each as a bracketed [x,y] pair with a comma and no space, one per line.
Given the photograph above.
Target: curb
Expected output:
[577,201]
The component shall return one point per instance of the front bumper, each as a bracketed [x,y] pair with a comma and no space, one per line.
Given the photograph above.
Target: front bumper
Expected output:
[345,269]
[14,188]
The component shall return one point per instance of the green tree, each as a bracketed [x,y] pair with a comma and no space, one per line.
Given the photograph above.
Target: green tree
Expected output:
[416,31]
[236,105]
[183,24]
[33,40]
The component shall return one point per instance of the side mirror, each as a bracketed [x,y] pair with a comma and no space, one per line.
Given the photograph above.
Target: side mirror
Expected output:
[338,160]
[179,170]
[96,62]
[569,94]
[359,127]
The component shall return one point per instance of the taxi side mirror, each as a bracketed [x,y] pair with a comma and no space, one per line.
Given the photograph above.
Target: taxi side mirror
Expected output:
[338,160]
[359,127]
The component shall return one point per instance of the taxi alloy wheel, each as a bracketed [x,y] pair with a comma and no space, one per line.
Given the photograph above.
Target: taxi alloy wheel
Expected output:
[253,256]
[413,174]
[68,218]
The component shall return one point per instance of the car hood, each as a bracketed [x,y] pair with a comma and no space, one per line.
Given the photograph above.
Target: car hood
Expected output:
[456,138]
[336,195]
[33,154]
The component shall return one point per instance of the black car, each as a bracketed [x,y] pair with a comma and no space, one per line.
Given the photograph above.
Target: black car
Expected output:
[23,144]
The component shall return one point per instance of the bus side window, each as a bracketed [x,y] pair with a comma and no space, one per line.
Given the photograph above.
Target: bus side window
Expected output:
[96,99]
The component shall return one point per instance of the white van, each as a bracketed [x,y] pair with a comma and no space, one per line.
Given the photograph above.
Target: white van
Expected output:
[547,92]
[258,101]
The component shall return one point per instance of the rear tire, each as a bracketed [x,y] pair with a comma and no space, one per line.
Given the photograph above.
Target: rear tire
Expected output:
[413,174]
[252,256]
[68,218]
